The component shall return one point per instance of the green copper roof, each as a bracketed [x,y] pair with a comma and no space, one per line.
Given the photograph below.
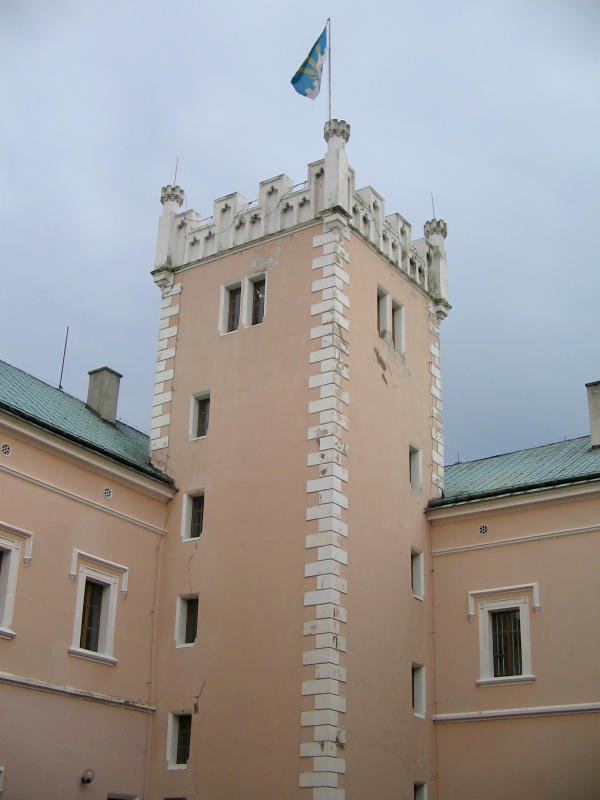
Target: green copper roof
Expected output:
[44,405]
[570,461]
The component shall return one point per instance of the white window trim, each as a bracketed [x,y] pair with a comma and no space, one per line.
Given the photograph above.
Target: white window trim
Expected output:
[384,301]
[534,588]
[486,658]
[186,515]
[417,567]
[104,654]
[172,734]
[180,621]
[419,689]
[194,410]
[76,555]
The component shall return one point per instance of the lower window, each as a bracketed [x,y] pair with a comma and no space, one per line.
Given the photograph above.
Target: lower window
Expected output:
[178,740]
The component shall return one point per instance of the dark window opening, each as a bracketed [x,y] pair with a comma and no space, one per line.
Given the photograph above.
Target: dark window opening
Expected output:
[197,516]
[191,619]
[233,311]
[506,643]
[91,615]
[184,732]
[258,301]
[203,416]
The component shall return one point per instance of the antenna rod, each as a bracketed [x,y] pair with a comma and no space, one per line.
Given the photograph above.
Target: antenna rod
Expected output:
[175,175]
[62,366]
[432,205]
[329,61]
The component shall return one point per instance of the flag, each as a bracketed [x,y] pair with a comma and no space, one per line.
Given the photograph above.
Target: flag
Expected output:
[307,81]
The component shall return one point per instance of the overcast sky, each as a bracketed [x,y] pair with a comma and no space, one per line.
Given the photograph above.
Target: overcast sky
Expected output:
[492,106]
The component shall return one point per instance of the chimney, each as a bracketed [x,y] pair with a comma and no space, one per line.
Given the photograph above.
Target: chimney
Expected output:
[593,393]
[103,392]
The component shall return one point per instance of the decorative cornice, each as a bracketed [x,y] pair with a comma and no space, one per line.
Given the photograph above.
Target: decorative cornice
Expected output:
[526,711]
[80,694]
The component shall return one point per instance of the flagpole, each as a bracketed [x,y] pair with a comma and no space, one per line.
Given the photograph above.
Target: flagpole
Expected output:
[329,61]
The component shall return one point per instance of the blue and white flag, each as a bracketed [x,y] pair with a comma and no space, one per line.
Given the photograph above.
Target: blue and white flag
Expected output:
[307,81]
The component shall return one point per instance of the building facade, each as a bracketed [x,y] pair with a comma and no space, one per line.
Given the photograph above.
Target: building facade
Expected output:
[319,610]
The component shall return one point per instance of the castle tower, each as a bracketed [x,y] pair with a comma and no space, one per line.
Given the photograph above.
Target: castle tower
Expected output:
[298,409]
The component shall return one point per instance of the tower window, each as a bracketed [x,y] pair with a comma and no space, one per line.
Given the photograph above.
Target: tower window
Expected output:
[196,516]
[414,468]
[200,416]
[259,289]
[179,740]
[398,326]
[186,620]
[416,574]
[234,304]
[418,690]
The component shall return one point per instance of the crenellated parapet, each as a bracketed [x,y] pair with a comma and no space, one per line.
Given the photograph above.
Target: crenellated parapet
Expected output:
[187,237]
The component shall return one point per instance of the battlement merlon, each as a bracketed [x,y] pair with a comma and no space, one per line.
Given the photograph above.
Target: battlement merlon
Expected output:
[186,237]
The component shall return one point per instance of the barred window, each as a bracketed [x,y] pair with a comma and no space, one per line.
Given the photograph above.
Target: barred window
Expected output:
[506,642]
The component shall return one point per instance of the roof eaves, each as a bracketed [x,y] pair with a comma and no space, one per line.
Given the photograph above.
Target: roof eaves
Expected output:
[149,471]
[463,498]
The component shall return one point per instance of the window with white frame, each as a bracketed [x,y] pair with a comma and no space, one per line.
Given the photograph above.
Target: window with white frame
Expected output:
[10,552]
[418,690]
[96,605]
[192,519]
[243,303]
[186,620]
[179,736]
[199,415]
[414,468]
[504,640]
[417,576]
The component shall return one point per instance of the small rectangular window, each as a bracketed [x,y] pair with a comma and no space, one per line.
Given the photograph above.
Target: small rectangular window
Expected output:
[184,731]
[414,468]
[91,616]
[398,326]
[202,414]
[186,620]
[191,619]
[234,304]
[179,734]
[382,301]
[259,288]
[420,791]
[418,690]
[506,642]
[416,574]
[196,522]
